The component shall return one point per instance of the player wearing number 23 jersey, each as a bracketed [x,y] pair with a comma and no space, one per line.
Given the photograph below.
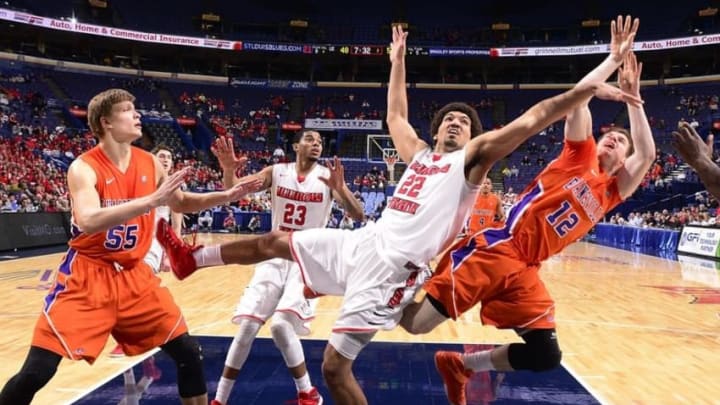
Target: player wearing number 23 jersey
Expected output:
[499,266]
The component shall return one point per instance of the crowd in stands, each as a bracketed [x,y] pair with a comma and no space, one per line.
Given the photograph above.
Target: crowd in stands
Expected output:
[34,158]
[702,212]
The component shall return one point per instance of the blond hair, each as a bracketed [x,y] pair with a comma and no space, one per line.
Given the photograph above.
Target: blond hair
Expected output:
[101,106]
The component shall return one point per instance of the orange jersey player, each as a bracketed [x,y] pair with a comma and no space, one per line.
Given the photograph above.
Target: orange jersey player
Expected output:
[499,267]
[103,285]
[487,209]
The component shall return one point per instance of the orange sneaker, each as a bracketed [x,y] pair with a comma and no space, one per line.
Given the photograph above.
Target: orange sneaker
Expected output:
[454,375]
[310,397]
[180,254]
[216,402]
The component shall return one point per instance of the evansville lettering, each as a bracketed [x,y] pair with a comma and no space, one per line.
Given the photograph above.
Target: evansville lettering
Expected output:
[299,195]
[581,192]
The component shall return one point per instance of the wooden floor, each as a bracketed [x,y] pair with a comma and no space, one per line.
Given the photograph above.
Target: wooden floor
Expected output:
[627,341]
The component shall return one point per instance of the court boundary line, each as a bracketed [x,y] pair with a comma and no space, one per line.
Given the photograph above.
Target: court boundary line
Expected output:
[104,381]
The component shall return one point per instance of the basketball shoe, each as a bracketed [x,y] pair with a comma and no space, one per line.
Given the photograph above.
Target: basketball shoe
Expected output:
[309,397]
[180,254]
[454,375]
[117,352]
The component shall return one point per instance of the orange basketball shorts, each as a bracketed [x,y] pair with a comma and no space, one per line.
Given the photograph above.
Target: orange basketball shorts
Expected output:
[91,300]
[473,271]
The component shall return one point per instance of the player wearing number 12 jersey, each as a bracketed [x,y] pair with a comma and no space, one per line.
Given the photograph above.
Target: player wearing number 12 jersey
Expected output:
[499,267]
[301,199]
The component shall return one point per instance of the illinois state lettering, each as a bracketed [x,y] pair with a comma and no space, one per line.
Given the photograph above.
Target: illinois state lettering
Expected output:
[397,203]
[299,195]
[421,169]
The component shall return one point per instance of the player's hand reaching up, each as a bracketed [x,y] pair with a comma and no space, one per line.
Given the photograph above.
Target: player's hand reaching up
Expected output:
[689,144]
[397,47]
[336,181]
[629,75]
[224,150]
[622,33]
[166,191]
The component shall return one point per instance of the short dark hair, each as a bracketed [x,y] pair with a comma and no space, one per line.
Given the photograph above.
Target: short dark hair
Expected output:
[631,146]
[301,133]
[475,124]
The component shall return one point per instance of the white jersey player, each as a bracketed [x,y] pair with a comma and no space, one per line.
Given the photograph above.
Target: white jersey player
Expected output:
[301,199]
[155,255]
[379,267]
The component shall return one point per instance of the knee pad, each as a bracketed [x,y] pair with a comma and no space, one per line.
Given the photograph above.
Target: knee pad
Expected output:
[287,342]
[283,332]
[187,354]
[247,331]
[540,352]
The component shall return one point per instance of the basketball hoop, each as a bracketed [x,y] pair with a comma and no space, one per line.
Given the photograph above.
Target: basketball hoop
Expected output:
[390,156]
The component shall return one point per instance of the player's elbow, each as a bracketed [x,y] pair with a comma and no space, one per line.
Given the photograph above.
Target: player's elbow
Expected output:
[86,223]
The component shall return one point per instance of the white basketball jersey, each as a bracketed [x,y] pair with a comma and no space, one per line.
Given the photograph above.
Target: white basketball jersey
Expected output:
[430,205]
[299,203]
[154,255]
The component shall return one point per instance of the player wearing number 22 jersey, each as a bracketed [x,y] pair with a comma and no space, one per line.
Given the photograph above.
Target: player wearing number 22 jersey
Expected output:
[499,266]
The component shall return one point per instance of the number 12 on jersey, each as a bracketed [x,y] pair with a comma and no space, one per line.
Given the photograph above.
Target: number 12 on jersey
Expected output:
[563,223]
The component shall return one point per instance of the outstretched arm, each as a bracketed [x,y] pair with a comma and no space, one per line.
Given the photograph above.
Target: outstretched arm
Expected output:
[631,174]
[578,124]
[402,133]
[698,154]
[91,217]
[484,151]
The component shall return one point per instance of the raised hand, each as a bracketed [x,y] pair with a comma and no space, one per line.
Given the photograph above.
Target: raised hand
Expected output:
[397,48]
[337,174]
[224,151]
[689,144]
[622,32]
[166,191]
[629,74]
[605,91]
[244,186]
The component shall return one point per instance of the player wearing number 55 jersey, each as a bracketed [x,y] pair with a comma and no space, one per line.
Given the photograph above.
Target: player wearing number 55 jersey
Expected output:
[301,199]
[103,285]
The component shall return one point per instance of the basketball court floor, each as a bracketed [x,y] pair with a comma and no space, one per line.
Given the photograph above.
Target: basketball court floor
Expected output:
[634,329]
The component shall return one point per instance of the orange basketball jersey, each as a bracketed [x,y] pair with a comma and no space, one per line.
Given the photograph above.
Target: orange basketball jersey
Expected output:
[561,205]
[129,242]
[483,212]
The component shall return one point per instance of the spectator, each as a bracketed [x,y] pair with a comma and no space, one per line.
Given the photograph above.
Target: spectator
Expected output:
[205,221]
[347,222]
[229,223]
[254,224]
